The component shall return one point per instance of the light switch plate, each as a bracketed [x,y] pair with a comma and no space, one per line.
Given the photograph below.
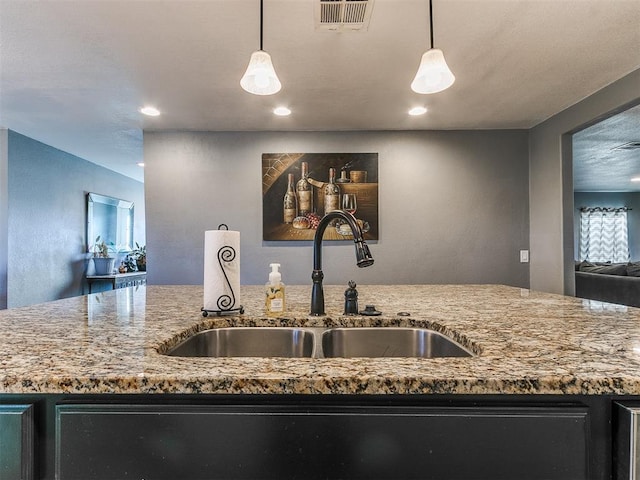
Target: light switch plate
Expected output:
[524,256]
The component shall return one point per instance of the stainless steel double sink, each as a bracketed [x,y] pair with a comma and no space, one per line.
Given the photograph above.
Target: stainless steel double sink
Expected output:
[300,342]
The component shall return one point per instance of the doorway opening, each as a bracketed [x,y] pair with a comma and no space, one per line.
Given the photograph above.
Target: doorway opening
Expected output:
[604,211]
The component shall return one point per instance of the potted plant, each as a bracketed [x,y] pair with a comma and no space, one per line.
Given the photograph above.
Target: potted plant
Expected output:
[140,255]
[102,262]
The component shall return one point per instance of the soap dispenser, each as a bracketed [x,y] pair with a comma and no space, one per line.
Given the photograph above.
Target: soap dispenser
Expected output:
[274,302]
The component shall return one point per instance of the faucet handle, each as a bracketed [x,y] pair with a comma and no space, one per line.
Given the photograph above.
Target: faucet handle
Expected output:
[351,299]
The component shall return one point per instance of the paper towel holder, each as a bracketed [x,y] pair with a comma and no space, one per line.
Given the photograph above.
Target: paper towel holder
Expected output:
[225,253]
[219,313]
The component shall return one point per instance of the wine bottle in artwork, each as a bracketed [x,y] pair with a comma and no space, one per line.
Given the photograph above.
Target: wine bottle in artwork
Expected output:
[290,203]
[304,191]
[331,193]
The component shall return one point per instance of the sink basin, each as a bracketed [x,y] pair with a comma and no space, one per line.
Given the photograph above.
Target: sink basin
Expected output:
[319,342]
[248,342]
[389,342]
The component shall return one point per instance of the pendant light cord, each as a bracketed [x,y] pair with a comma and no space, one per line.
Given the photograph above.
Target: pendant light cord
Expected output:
[430,23]
[261,7]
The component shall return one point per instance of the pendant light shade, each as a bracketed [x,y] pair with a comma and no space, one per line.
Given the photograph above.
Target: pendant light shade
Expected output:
[433,74]
[260,77]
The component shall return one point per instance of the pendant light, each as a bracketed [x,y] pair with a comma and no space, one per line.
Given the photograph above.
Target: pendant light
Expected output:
[260,77]
[433,73]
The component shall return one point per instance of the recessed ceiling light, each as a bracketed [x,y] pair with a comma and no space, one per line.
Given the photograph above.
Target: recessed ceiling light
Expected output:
[282,111]
[635,179]
[140,164]
[417,111]
[150,111]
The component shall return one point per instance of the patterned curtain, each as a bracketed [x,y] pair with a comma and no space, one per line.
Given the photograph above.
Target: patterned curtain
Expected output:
[604,235]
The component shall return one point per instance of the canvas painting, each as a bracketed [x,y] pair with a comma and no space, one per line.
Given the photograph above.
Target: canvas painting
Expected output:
[298,189]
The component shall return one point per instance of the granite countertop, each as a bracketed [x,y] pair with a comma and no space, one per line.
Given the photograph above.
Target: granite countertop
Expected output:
[525,342]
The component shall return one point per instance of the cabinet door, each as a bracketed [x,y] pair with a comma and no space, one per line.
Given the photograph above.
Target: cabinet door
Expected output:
[260,442]
[626,450]
[16,442]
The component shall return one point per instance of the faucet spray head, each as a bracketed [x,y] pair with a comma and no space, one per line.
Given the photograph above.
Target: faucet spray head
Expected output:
[363,255]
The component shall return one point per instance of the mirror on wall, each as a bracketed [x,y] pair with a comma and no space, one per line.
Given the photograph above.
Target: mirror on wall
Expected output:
[112,219]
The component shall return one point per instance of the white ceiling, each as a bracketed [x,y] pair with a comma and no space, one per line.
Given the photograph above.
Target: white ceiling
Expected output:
[73,73]
[599,164]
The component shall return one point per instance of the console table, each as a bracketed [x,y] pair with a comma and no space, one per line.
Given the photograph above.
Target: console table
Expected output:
[119,280]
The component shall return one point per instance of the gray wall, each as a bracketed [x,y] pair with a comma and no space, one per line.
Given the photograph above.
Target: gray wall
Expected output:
[47,218]
[551,183]
[4,211]
[614,200]
[453,205]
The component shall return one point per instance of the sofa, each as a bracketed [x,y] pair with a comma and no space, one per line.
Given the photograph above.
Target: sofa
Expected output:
[609,282]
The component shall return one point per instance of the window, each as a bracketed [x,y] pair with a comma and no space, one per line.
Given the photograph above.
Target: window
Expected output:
[604,235]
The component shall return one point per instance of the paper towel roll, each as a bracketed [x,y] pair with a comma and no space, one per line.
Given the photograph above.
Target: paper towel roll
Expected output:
[221,270]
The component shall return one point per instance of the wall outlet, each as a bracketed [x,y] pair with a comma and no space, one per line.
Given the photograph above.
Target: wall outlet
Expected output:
[524,256]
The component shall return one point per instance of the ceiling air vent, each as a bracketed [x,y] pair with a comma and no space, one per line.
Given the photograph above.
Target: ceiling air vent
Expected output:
[628,146]
[343,15]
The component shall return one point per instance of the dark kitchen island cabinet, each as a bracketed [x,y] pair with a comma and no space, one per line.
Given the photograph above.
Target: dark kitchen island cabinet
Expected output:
[242,437]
